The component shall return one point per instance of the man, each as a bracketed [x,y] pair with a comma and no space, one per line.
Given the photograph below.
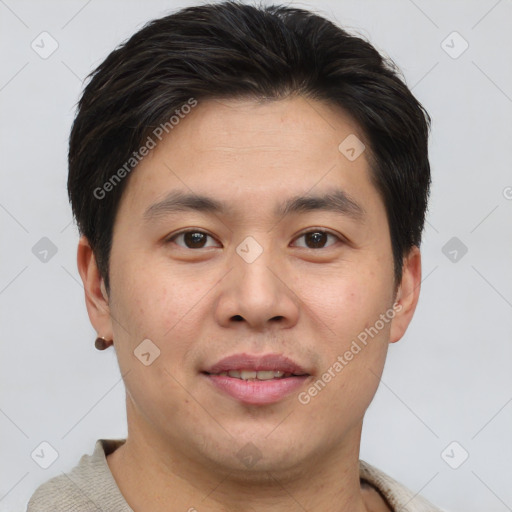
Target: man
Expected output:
[250,186]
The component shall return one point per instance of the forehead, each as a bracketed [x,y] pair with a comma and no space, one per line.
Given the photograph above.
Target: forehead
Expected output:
[295,123]
[233,148]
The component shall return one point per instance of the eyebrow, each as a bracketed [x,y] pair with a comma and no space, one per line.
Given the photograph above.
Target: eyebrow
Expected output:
[336,200]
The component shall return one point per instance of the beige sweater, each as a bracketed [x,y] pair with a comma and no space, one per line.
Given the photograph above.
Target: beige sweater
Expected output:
[90,487]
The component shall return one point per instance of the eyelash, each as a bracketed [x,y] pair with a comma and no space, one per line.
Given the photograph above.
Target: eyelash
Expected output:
[318,230]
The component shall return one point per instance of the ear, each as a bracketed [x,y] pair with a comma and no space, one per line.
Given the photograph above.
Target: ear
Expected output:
[407,295]
[96,298]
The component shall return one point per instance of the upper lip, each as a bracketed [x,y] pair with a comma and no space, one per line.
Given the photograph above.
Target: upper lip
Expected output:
[269,362]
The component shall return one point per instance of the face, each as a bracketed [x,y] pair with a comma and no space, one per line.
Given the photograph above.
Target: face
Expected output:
[257,275]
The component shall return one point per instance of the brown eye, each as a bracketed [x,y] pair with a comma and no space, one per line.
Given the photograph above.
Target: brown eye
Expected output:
[317,239]
[191,239]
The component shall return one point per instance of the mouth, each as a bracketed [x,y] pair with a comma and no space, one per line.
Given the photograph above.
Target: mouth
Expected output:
[256,380]
[253,375]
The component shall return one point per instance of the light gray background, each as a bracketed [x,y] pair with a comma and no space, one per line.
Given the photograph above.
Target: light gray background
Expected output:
[448,379]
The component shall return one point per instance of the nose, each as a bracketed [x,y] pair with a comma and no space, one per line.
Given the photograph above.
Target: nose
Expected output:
[258,294]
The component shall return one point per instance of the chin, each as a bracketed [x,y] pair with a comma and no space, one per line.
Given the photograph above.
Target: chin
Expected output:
[251,458]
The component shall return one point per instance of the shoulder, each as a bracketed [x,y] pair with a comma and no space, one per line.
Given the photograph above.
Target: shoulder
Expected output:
[59,494]
[396,494]
[88,487]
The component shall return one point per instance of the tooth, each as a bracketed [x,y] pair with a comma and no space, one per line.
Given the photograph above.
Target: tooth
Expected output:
[248,374]
[251,374]
[266,375]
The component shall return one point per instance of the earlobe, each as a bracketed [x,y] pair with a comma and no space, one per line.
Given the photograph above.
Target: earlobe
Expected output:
[407,295]
[96,297]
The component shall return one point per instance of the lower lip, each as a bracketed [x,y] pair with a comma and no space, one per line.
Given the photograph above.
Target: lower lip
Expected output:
[257,392]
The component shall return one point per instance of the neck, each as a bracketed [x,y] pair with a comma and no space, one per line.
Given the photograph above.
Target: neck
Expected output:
[153,475]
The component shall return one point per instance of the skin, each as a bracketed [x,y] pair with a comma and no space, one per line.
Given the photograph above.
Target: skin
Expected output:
[200,305]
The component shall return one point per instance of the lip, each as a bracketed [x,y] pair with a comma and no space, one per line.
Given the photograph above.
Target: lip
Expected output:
[257,392]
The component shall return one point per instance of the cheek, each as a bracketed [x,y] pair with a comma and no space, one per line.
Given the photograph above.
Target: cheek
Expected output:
[155,299]
[353,353]
[346,303]
[155,305]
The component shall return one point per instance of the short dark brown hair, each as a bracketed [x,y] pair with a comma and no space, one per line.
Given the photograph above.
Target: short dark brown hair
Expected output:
[234,50]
